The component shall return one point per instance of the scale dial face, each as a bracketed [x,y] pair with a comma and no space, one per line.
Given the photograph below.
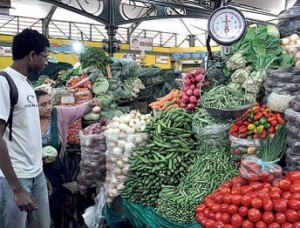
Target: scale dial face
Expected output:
[226,25]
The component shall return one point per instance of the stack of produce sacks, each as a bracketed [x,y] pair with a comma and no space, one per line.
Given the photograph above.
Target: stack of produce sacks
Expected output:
[281,86]
[292,116]
[257,122]
[93,148]
[289,21]
[122,135]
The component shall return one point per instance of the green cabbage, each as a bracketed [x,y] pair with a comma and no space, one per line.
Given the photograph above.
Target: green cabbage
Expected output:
[92,116]
[101,85]
[273,30]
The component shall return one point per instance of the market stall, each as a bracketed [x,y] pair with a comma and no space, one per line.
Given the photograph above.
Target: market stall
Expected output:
[207,153]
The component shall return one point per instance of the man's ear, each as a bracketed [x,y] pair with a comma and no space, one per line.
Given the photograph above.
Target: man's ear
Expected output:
[31,55]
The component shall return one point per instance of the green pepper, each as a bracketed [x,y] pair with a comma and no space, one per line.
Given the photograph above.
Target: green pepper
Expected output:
[256,123]
[251,132]
[267,125]
[251,116]
[263,121]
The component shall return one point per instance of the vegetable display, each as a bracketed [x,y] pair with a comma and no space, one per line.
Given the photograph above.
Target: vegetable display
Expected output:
[164,160]
[123,134]
[168,101]
[191,91]
[203,177]
[238,203]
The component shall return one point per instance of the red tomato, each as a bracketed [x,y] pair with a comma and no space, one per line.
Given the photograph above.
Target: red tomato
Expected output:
[267,185]
[267,204]
[274,195]
[260,224]
[274,225]
[256,203]
[256,185]
[248,224]
[237,220]
[251,194]
[263,177]
[243,211]
[223,190]
[285,184]
[200,208]
[227,199]
[287,225]
[216,207]
[199,217]
[210,223]
[275,188]
[295,196]
[268,217]
[211,215]
[294,204]
[286,195]
[253,177]
[219,224]
[206,212]
[294,175]
[209,202]
[227,184]
[296,224]
[236,191]
[291,215]
[218,216]
[280,218]
[224,208]
[236,199]
[219,198]
[246,201]
[295,188]
[233,209]
[228,226]
[226,218]
[254,215]
[280,205]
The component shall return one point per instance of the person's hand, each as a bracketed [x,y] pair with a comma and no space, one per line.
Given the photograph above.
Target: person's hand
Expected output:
[25,201]
[94,102]
[49,187]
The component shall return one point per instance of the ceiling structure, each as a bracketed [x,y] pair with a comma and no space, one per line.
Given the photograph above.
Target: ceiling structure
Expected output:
[168,22]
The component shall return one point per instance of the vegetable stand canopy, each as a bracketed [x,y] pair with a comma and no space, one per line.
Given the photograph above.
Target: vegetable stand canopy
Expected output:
[183,26]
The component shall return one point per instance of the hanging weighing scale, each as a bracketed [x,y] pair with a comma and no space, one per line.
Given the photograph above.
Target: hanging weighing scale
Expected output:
[226,25]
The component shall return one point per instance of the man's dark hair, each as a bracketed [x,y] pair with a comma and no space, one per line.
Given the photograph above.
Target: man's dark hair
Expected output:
[40,93]
[26,41]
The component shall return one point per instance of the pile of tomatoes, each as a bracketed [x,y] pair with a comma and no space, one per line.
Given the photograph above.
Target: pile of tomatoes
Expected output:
[239,203]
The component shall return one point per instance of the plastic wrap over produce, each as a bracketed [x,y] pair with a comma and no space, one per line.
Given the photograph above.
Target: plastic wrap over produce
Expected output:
[241,147]
[93,148]
[123,134]
[254,169]
[279,102]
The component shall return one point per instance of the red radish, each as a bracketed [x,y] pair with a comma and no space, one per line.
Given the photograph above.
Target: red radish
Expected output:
[202,84]
[201,70]
[185,98]
[185,88]
[207,83]
[189,92]
[191,106]
[198,85]
[187,81]
[196,92]
[183,105]
[193,99]
[192,86]
[199,77]
[193,80]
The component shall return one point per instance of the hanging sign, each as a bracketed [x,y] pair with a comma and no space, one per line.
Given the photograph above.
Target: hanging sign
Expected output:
[162,59]
[5,51]
[141,44]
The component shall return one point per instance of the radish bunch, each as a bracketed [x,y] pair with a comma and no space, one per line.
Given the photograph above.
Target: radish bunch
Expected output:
[191,91]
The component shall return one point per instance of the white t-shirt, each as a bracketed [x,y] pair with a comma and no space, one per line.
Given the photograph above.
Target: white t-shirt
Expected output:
[25,149]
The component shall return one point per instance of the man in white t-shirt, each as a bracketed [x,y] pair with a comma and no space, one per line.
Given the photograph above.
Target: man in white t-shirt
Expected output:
[23,190]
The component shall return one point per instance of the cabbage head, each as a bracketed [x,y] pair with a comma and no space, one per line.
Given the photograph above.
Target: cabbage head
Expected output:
[101,85]
[273,31]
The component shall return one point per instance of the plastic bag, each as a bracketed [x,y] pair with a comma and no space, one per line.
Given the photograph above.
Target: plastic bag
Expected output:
[291,13]
[279,102]
[92,164]
[93,215]
[212,134]
[254,169]
[140,216]
[242,147]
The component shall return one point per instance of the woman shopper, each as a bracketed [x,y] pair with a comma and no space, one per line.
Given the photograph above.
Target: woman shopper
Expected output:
[23,190]
[55,122]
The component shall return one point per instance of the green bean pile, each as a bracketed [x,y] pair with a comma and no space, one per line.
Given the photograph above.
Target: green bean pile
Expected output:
[164,160]
[204,176]
[224,97]
[203,119]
